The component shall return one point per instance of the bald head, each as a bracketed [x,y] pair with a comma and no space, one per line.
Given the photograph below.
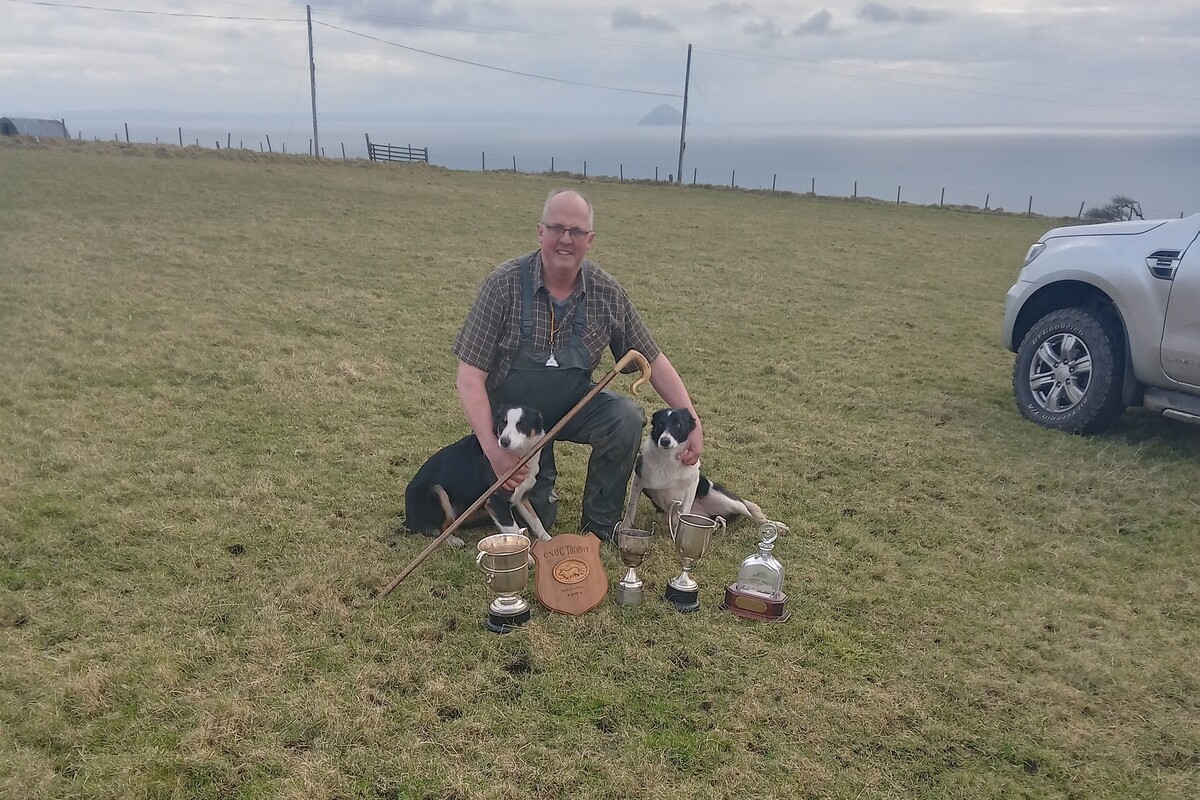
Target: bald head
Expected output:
[568,200]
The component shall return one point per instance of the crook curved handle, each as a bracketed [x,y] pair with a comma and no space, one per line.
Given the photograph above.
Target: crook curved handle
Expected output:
[633,356]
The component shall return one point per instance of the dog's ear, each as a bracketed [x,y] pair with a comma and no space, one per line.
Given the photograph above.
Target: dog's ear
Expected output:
[499,418]
[536,423]
[659,416]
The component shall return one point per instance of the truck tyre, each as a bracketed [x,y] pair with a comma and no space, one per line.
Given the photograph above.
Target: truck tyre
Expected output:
[1068,371]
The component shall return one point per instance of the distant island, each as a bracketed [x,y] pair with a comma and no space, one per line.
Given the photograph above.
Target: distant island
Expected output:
[663,115]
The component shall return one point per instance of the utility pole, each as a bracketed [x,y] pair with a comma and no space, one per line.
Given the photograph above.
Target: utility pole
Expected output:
[687,79]
[312,74]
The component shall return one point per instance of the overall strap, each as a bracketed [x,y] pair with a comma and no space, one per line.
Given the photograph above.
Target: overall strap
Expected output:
[580,309]
[526,263]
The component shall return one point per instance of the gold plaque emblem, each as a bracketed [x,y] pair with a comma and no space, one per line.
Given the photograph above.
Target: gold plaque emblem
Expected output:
[571,571]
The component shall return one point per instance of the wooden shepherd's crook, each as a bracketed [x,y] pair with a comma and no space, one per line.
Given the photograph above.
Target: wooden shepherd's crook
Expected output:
[633,356]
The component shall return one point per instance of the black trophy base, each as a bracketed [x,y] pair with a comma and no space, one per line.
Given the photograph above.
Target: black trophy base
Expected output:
[685,600]
[503,623]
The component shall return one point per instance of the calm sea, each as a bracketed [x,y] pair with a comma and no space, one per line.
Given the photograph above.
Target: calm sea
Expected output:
[1061,168]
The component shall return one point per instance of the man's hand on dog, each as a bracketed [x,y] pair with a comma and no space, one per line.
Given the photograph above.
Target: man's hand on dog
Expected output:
[502,461]
[689,454]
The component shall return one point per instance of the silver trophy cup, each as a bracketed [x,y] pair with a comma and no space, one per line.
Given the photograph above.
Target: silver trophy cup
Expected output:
[692,534]
[634,544]
[505,560]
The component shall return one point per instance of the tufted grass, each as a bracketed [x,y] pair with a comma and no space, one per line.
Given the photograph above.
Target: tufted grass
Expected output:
[217,371]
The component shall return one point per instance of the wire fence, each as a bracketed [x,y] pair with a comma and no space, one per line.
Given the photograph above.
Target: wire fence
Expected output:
[899,193]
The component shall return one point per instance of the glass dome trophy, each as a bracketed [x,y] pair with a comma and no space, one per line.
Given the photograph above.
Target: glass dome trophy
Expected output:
[758,592]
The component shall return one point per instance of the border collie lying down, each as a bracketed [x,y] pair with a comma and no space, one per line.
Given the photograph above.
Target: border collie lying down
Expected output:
[661,476]
[457,475]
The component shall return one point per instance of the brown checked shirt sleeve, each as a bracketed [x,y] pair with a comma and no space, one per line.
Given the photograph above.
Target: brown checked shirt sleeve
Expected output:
[490,335]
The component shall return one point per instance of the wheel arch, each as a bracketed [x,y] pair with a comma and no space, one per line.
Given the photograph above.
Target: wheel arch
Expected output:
[1069,294]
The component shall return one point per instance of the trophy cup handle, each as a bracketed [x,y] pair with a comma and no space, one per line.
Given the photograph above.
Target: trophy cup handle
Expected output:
[673,517]
[479,562]
[721,522]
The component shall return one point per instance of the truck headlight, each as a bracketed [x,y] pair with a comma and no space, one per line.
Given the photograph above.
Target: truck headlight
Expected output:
[1035,250]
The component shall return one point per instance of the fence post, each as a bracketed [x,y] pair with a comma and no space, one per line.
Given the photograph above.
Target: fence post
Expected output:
[1080,214]
[656,174]
[126,133]
[343,151]
[731,177]
[228,139]
[987,200]
[217,142]
[621,171]
[181,136]
[585,169]
[310,146]
[514,164]
[1030,210]
[813,187]
[483,161]
[773,176]
[551,165]
[269,150]
[943,200]
[897,195]
[855,190]
[694,171]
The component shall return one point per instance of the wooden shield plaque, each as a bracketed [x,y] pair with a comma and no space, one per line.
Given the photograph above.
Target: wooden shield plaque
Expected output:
[570,577]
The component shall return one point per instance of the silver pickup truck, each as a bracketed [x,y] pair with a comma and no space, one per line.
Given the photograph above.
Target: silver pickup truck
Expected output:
[1107,316]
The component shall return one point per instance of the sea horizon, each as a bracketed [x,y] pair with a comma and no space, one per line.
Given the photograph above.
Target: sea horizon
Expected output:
[1050,169]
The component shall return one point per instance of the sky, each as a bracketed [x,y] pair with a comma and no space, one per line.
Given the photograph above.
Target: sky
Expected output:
[827,62]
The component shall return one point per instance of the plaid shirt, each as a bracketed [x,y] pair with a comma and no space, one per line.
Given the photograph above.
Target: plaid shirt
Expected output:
[491,334]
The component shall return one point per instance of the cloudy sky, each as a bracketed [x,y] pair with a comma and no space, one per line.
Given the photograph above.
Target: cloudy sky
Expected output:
[786,61]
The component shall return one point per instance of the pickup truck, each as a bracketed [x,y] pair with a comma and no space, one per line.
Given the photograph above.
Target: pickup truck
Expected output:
[1103,317]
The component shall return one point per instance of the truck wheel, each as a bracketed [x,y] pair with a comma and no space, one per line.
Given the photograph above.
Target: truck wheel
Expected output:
[1068,371]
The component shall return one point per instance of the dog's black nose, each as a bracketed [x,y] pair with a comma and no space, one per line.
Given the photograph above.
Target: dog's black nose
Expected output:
[504,442]
[665,441]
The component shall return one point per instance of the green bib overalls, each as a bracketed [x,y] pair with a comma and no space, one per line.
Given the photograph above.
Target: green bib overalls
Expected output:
[553,382]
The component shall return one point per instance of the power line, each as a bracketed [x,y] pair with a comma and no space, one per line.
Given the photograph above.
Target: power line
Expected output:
[154,13]
[491,31]
[352,33]
[495,68]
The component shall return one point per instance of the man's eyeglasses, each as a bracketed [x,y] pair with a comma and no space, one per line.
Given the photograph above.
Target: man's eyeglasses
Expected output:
[558,230]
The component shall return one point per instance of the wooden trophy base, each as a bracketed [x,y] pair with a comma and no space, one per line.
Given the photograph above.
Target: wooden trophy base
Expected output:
[685,601]
[755,606]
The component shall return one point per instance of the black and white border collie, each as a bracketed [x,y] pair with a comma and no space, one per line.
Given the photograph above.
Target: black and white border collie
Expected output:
[457,475]
[661,476]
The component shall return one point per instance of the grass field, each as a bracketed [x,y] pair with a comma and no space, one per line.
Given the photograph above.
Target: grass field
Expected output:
[218,370]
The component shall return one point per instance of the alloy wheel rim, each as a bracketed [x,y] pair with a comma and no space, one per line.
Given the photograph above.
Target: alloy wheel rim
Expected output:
[1060,373]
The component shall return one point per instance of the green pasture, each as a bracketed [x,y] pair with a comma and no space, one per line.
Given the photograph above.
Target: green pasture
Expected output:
[218,371]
